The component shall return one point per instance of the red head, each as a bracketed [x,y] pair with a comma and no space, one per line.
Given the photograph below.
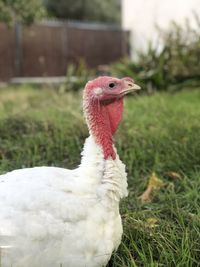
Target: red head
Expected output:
[103,108]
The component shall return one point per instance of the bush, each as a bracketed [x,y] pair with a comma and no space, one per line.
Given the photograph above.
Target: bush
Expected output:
[172,64]
[76,77]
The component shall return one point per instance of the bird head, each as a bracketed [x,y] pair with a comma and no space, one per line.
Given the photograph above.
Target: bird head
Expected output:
[103,108]
[107,89]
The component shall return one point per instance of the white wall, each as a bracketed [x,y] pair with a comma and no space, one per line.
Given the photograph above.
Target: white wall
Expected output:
[141,16]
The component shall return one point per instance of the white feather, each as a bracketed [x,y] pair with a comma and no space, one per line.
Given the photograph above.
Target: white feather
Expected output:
[51,216]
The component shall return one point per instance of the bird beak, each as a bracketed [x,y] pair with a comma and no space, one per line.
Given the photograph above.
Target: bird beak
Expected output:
[130,87]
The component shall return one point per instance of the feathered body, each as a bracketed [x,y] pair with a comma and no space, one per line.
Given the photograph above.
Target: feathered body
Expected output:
[53,217]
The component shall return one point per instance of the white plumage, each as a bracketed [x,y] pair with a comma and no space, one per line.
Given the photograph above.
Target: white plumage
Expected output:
[52,217]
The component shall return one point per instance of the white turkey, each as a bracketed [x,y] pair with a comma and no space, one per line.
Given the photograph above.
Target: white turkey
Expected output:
[52,217]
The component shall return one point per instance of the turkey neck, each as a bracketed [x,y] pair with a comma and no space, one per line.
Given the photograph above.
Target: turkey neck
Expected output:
[103,120]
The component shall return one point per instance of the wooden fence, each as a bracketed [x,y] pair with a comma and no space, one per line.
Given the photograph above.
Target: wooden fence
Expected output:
[47,48]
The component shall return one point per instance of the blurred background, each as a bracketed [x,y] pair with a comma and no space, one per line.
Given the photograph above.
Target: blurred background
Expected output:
[156,42]
[49,49]
[43,38]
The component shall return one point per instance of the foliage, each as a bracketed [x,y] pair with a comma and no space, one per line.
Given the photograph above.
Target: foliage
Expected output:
[76,77]
[12,11]
[159,133]
[172,64]
[85,10]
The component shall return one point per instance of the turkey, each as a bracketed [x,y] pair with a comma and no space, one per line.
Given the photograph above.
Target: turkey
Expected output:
[52,217]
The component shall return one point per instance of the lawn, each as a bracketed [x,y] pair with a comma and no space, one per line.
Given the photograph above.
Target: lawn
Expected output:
[159,133]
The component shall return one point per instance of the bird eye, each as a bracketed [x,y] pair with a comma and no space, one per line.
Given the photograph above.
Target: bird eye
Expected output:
[111,85]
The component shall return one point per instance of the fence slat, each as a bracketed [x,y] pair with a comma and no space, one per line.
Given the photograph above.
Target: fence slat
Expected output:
[46,49]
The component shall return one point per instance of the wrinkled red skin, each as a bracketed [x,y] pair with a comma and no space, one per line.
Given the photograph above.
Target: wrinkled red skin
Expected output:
[103,117]
[104,121]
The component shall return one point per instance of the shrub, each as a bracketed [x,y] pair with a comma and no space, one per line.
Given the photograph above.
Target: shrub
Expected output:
[76,77]
[172,64]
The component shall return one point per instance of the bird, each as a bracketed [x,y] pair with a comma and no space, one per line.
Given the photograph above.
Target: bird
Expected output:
[51,216]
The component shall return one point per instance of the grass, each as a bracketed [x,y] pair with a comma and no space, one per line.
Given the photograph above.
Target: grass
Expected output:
[159,133]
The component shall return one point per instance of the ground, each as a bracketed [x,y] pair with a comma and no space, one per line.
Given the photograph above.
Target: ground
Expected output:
[159,133]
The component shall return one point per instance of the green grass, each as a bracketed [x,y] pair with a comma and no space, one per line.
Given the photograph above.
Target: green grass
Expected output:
[159,133]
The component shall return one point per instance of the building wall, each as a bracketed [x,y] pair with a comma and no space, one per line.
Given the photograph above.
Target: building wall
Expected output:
[141,16]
